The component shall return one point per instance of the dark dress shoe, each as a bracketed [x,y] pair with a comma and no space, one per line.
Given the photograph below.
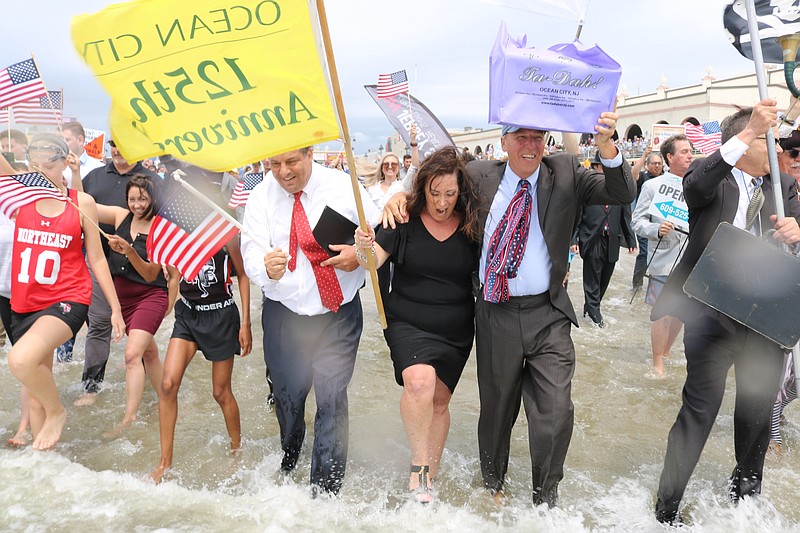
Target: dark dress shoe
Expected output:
[595,317]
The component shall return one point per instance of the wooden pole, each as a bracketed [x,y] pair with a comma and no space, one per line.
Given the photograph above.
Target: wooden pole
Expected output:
[351,162]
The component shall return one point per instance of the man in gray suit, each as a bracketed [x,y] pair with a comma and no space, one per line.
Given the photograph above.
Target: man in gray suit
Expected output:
[524,348]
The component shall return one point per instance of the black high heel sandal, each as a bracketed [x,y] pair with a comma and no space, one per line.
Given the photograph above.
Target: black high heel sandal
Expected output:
[422,494]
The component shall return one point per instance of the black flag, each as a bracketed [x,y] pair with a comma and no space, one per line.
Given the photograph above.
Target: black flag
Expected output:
[775,19]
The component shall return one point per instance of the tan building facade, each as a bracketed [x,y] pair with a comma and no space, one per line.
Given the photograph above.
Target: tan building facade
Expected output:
[711,99]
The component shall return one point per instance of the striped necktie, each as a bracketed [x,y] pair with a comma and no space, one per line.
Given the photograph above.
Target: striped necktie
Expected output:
[756,202]
[507,245]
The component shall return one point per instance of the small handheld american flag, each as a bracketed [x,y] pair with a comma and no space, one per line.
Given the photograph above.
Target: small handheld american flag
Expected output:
[20,82]
[19,190]
[186,233]
[392,84]
[705,138]
[46,109]
[243,187]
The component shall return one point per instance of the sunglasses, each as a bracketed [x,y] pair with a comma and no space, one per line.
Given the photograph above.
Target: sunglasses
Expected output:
[390,165]
[793,153]
[45,154]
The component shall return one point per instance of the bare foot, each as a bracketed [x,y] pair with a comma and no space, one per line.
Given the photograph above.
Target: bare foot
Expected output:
[119,430]
[51,431]
[498,496]
[659,371]
[87,399]
[157,475]
[22,438]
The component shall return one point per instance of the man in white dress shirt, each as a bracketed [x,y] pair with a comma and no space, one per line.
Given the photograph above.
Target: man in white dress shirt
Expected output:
[311,314]
[75,136]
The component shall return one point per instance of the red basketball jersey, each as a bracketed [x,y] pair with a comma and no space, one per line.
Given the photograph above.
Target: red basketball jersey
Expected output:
[48,265]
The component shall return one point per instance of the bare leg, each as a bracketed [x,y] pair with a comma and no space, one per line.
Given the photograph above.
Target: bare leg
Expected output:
[675,327]
[221,377]
[440,425]
[659,331]
[23,432]
[138,343]
[416,410]
[31,362]
[153,366]
[179,353]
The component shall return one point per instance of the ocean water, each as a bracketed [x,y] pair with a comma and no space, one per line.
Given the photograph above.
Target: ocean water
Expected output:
[622,416]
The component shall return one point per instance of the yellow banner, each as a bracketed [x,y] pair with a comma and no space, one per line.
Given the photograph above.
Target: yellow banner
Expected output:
[215,83]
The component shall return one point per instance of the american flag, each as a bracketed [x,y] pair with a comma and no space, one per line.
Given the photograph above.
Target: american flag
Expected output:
[20,82]
[18,190]
[705,138]
[4,115]
[243,187]
[186,233]
[46,109]
[392,84]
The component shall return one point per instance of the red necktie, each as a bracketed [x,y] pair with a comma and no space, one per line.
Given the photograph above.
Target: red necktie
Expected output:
[330,291]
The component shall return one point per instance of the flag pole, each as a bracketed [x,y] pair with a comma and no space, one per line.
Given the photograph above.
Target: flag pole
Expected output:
[69,201]
[337,92]
[774,169]
[408,96]
[200,196]
[581,21]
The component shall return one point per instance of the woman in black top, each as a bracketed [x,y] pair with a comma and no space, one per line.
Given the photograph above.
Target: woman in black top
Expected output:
[430,308]
[143,291]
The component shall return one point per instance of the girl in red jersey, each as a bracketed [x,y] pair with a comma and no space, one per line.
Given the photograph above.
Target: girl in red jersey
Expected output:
[50,286]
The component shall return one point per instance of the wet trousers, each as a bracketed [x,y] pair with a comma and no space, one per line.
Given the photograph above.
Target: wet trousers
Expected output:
[524,351]
[319,351]
[713,343]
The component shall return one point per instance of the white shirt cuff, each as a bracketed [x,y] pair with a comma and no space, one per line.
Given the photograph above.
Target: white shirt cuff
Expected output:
[733,150]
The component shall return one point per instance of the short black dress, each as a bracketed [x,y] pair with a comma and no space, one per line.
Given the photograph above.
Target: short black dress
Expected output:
[430,309]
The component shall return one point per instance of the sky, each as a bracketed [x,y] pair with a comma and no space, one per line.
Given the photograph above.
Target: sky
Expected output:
[444,46]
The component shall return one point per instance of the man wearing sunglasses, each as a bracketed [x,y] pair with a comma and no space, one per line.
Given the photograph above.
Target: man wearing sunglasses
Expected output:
[718,188]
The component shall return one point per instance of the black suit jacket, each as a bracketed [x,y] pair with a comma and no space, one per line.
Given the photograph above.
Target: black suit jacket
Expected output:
[619,229]
[712,195]
[564,185]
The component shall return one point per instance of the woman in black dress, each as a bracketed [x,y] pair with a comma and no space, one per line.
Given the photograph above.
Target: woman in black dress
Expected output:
[430,308]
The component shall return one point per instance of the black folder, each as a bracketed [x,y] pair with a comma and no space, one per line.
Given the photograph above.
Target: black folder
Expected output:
[750,280]
[333,228]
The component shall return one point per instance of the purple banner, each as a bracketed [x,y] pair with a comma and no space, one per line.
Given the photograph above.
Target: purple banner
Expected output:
[431,135]
[563,88]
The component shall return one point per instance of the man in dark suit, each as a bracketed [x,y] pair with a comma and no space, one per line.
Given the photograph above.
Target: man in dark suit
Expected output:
[717,189]
[523,344]
[600,233]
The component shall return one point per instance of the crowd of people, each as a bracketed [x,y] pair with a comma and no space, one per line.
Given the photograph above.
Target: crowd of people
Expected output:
[472,252]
